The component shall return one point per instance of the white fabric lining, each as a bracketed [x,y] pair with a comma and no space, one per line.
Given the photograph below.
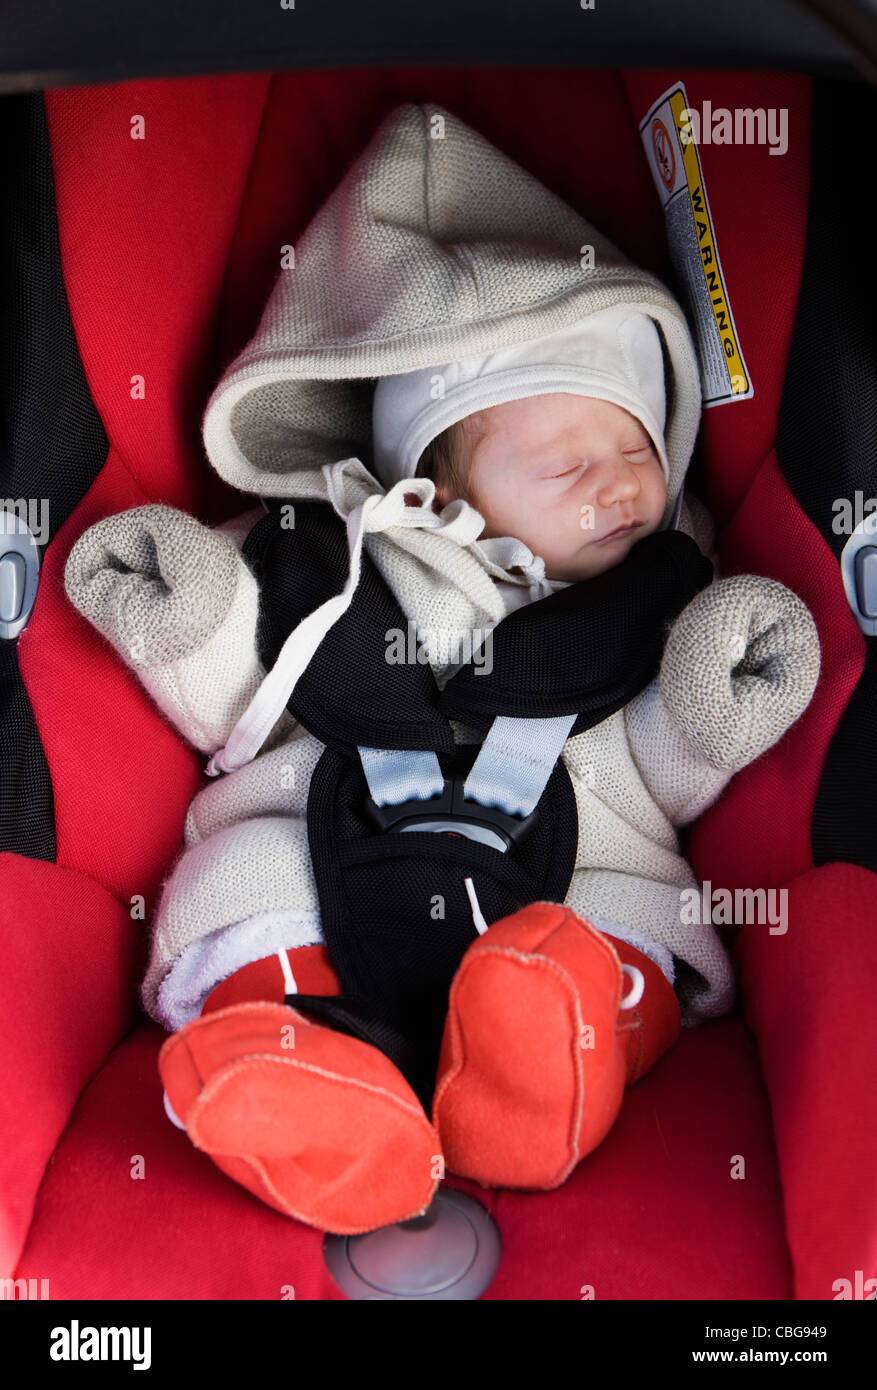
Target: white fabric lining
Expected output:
[202,966]
[655,951]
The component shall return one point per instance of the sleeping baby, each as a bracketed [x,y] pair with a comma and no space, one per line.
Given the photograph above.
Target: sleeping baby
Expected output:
[430,916]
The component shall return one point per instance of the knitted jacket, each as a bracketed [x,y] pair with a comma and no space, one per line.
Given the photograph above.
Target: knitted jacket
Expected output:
[435,246]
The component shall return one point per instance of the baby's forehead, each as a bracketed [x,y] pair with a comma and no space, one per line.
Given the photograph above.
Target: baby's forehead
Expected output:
[538,413]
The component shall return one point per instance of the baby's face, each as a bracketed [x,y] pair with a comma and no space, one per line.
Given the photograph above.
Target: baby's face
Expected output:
[560,472]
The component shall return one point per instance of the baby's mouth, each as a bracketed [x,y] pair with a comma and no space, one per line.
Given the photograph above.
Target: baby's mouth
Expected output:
[619,532]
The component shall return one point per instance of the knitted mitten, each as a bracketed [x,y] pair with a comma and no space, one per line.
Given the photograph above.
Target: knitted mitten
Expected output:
[541,1038]
[318,1124]
[180,605]
[740,665]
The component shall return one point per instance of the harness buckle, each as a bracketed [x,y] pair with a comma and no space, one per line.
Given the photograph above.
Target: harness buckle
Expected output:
[451,813]
[858,567]
[19,573]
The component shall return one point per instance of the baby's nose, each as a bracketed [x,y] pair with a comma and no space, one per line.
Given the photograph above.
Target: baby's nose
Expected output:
[620,483]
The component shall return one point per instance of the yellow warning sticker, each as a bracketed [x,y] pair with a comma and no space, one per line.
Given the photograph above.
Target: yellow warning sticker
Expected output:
[672,154]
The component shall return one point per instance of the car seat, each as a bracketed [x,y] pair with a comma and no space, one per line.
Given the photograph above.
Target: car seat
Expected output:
[141,232]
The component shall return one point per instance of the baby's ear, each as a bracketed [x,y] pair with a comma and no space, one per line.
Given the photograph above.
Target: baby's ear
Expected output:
[443,496]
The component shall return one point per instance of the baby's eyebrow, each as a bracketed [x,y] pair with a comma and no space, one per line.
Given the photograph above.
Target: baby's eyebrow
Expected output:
[552,444]
[538,452]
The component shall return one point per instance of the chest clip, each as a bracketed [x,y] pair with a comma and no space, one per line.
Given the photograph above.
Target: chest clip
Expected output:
[452,813]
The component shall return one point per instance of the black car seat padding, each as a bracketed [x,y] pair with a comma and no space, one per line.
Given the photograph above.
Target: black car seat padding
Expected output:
[52,441]
[827,426]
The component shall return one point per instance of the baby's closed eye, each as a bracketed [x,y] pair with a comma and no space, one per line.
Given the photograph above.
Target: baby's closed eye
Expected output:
[640,452]
[569,471]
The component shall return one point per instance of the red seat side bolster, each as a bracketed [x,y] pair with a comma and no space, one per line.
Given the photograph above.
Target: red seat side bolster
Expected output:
[809,999]
[68,994]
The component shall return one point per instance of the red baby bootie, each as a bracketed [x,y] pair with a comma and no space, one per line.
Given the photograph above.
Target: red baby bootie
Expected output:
[542,1036]
[316,1123]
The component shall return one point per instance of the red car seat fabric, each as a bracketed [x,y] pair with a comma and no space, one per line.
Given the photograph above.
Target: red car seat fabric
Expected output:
[224,172]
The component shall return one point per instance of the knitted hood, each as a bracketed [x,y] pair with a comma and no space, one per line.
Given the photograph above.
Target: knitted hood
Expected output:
[434,246]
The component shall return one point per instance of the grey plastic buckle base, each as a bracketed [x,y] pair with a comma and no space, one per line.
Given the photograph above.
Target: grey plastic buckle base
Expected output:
[858,567]
[19,573]
[451,1253]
